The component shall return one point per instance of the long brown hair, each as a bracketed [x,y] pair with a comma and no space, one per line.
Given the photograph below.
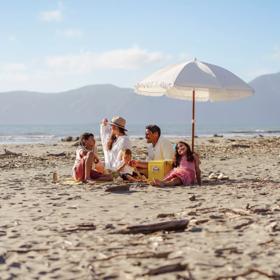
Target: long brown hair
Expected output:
[177,157]
[113,138]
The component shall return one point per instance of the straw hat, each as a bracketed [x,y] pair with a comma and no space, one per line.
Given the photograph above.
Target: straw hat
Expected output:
[119,122]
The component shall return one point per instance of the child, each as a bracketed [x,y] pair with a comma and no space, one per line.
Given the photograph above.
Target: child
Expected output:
[87,161]
[186,168]
[127,172]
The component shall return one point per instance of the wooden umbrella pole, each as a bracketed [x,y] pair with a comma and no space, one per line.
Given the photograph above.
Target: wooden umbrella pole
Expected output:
[193,118]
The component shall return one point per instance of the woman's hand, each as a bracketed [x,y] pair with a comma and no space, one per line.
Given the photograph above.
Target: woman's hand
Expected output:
[104,121]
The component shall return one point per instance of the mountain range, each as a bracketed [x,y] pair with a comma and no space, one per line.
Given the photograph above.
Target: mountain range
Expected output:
[91,103]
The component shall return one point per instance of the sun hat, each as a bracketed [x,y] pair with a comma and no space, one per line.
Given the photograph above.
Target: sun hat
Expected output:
[119,122]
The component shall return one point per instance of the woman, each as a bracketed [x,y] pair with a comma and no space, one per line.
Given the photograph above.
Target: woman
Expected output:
[114,141]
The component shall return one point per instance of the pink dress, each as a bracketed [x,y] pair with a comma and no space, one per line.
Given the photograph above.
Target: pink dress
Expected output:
[185,172]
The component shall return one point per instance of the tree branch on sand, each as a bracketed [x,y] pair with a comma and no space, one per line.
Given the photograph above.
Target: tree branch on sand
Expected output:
[175,225]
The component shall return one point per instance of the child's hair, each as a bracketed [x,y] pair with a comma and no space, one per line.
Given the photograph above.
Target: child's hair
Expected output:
[113,138]
[127,152]
[83,137]
[178,157]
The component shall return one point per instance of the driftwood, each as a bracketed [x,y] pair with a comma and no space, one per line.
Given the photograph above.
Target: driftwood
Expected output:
[239,212]
[261,211]
[80,227]
[25,251]
[230,250]
[165,215]
[62,154]
[250,271]
[118,188]
[9,153]
[176,225]
[240,146]
[249,222]
[140,255]
[166,269]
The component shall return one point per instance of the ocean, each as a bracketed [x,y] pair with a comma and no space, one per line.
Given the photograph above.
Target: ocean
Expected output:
[28,134]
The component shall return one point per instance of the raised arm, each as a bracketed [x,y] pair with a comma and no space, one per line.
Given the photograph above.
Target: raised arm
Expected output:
[105,133]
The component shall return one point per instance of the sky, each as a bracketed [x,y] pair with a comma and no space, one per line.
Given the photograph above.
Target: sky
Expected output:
[52,46]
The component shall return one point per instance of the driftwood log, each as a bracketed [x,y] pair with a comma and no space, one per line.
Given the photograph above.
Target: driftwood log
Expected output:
[80,227]
[167,269]
[9,153]
[62,154]
[118,188]
[248,272]
[140,255]
[174,225]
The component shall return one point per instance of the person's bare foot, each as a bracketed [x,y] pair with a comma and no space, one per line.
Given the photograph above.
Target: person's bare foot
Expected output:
[89,181]
[143,179]
[157,183]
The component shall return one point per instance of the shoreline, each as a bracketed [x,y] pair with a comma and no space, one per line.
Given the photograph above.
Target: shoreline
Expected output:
[56,140]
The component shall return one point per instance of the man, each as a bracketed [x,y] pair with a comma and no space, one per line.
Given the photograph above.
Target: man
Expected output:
[159,148]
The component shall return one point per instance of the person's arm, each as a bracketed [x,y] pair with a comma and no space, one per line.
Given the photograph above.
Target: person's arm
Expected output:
[120,166]
[105,133]
[82,153]
[139,164]
[119,163]
[96,157]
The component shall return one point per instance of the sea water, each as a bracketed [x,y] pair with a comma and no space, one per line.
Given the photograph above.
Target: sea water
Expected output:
[27,134]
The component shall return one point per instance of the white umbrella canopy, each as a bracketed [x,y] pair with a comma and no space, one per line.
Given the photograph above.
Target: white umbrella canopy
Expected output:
[195,80]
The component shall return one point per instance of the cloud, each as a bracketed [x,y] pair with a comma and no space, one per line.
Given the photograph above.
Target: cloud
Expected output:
[60,72]
[15,72]
[276,53]
[51,16]
[72,33]
[125,59]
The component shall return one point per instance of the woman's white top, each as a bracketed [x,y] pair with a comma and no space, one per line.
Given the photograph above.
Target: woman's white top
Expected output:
[112,157]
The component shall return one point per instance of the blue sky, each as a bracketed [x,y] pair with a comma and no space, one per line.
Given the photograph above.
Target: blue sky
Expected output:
[51,46]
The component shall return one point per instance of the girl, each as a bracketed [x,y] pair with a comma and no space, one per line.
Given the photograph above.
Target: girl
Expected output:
[114,140]
[186,168]
[87,161]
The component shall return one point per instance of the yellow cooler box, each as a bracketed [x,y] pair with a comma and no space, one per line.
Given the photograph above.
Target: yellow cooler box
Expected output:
[158,169]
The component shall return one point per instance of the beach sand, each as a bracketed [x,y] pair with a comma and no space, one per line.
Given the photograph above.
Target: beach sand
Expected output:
[65,231]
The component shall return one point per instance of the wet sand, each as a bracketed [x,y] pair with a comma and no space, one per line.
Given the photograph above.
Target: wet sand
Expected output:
[65,231]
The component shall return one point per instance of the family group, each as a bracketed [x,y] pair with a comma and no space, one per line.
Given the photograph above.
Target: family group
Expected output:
[118,157]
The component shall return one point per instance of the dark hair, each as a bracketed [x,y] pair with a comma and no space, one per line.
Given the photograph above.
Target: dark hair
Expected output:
[154,128]
[127,152]
[113,138]
[85,136]
[178,157]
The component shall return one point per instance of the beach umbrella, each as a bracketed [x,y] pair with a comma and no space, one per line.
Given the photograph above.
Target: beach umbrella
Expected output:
[195,81]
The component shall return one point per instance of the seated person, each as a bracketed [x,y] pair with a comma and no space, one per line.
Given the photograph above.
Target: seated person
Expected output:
[186,169]
[87,166]
[126,171]
[159,148]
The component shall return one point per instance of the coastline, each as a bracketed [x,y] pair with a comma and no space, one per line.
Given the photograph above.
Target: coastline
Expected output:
[232,224]
[50,134]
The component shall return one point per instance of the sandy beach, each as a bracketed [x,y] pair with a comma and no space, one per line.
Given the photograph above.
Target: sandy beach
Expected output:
[66,231]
